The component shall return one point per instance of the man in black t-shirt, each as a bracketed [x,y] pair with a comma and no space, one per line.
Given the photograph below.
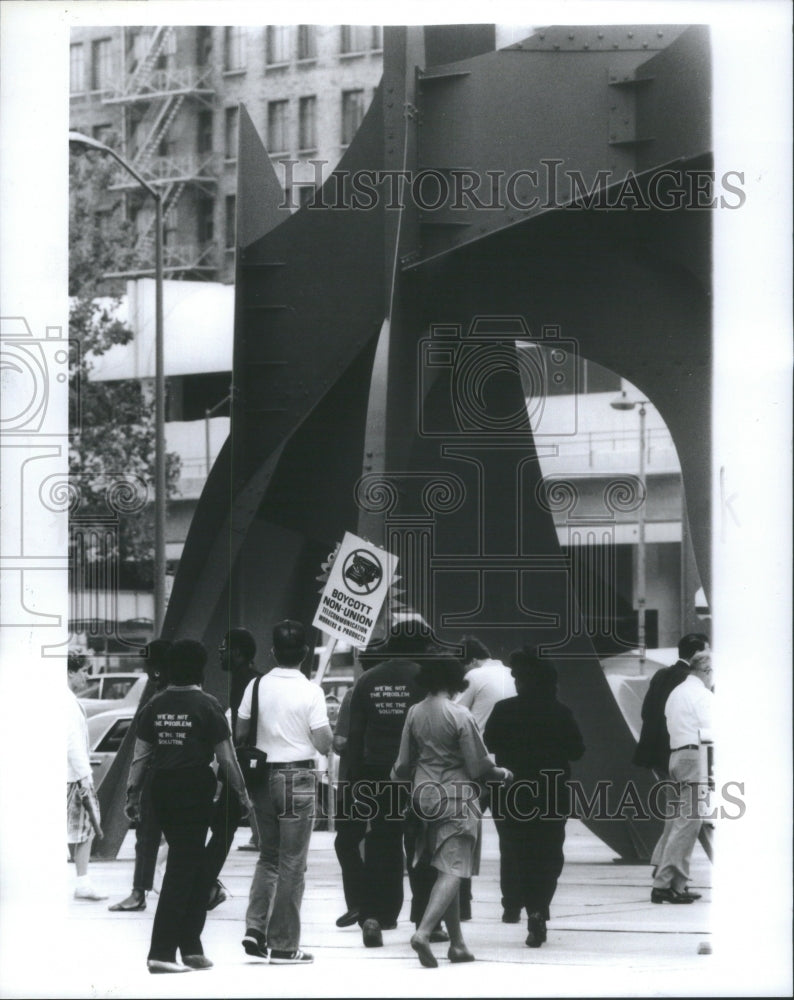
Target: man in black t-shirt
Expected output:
[380,701]
[179,733]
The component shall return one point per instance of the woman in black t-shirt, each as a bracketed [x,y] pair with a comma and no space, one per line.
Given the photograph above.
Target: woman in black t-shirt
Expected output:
[180,731]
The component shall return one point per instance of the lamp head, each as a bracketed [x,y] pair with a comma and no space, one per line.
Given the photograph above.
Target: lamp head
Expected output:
[622,402]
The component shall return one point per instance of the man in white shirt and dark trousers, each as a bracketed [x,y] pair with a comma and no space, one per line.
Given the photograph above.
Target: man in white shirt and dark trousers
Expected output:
[292,724]
[688,712]
[489,681]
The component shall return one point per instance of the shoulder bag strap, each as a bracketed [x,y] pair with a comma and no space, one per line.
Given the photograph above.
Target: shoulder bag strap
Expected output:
[252,722]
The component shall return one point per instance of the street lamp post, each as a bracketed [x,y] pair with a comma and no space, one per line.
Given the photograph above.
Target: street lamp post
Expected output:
[78,139]
[623,403]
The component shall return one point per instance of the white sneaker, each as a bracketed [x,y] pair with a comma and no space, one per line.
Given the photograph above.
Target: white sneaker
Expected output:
[88,892]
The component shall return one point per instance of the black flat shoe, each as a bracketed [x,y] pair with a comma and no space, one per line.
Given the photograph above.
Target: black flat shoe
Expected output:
[460,955]
[511,915]
[134,903]
[670,896]
[348,919]
[438,936]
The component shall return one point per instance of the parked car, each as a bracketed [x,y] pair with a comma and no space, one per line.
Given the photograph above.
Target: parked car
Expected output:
[106,691]
[106,731]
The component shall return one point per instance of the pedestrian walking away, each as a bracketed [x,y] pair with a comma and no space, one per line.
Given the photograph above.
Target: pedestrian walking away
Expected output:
[443,754]
[381,698]
[536,737]
[179,732]
[148,834]
[292,725]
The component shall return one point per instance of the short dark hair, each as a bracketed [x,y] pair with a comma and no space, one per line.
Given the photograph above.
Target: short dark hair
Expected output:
[186,662]
[74,661]
[473,649]
[530,669]
[443,673]
[693,642]
[156,653]
[289,643]
[241,640]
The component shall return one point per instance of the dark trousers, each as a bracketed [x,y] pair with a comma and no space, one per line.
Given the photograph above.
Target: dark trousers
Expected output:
[226,816]
[531,860]
[383,846]
[182,801]
[347,844]
[147,839]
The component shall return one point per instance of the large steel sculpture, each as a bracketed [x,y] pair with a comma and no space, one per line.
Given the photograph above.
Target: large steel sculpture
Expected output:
[384,367]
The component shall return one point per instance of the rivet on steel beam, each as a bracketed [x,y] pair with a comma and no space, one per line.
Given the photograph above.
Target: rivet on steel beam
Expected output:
[660,34]
[630,35]
[542,37]
[600,34]
[570,37]
[586,46]
[556,48]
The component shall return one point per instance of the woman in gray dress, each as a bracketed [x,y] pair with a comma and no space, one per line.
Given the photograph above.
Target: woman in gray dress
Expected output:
[443,754]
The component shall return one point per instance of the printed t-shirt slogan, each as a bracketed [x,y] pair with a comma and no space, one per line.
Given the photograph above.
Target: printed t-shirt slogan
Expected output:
[356,589]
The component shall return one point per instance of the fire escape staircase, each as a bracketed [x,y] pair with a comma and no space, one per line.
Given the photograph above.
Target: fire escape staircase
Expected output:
[164,92]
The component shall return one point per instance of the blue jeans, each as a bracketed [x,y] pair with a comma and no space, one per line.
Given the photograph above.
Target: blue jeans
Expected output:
[284,807]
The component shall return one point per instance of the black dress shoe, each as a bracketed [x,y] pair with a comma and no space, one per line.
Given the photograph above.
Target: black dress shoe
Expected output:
[438,936]
[371,934]
[670,896]
[348,919]
[536,927]
[511,915]
[692,895]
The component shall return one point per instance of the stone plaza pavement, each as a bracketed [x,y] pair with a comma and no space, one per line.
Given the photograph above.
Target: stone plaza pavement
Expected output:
[605,939]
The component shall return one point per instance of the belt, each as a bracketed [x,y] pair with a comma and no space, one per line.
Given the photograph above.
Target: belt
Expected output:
[687,746]
[290,763]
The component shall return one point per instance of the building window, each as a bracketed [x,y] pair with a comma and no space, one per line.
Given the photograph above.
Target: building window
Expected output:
[352,114]
[231,133]
[76,69]
[307,41]
[277,127]
[100,64]
[203,45]
[204,132]
[234,49]
[277,44]
[231,221]
[307,123]
[356,38]
[205,221]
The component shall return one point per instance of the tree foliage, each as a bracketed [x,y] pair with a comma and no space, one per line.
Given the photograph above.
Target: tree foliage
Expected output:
[112,450]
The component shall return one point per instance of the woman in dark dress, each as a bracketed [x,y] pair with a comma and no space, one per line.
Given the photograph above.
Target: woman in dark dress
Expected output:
[180,730]
[536,737]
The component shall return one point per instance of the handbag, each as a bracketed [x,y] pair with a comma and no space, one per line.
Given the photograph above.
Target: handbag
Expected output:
[252,760]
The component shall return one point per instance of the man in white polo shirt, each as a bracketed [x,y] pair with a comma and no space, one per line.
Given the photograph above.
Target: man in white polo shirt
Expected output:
[688,711]
[292,724]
